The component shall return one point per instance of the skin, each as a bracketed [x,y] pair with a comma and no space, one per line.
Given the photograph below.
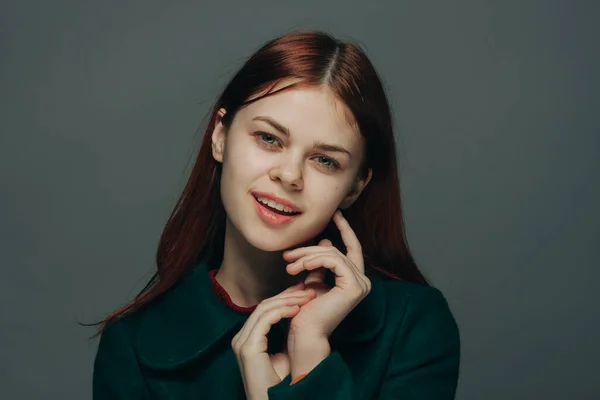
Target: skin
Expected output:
[256,268]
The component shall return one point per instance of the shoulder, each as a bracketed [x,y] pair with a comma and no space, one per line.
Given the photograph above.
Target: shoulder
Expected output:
[121,333]
[417,343]
[421,316]
[413,296]
[127,328]
[116,373]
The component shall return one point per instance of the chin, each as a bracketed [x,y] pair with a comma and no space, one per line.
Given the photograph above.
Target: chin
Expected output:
[268,240]
[271,242]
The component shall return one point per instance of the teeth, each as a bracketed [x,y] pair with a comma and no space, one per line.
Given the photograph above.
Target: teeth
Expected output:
[275,205]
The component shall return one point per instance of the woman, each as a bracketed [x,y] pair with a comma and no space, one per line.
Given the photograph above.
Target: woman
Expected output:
[264,289]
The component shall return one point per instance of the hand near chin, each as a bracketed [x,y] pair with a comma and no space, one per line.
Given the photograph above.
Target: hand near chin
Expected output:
[317,319]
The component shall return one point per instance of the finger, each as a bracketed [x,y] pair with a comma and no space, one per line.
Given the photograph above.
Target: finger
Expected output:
[316,276]
[353,247]
[267,305]
[257,336]
[348,278]
[288,296]
[344,272]
[293,255]
[293,288]
[299,265]
[325,243]
[316,280]
[280,300]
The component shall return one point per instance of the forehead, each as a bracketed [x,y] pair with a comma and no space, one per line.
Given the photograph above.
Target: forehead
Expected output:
[309,112]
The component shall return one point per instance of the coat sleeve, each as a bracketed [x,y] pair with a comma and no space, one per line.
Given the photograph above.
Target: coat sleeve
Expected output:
[426,357]
[116,372]
[424,362]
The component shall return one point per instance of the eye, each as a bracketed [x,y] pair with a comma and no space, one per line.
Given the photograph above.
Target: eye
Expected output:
[327,162]
[267,139]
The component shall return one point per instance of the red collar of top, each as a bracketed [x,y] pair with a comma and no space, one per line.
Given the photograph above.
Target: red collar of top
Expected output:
[224,296]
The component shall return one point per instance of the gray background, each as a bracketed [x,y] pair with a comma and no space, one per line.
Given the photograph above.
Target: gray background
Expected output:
[496,106]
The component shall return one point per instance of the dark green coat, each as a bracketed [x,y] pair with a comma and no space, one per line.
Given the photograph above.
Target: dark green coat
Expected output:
[401,342]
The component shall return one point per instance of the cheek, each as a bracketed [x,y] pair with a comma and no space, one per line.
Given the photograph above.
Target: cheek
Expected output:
[327,197]
[241,162]
[329,191]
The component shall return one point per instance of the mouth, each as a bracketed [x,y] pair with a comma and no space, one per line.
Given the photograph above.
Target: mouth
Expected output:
[274,212]
[275,207]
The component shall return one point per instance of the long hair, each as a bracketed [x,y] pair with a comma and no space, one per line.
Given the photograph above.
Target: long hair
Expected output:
[195,229]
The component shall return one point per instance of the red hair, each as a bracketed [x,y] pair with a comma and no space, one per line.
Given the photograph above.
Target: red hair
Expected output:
[195,229]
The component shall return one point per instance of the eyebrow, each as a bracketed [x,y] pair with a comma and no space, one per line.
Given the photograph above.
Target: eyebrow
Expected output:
[274,124]
[331,148]
[317,145]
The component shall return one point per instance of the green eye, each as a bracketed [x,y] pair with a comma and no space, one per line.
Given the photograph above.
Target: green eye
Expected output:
[270,139]
[327,162]
[266,139]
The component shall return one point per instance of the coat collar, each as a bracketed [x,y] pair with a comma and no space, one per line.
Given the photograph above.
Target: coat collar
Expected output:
[183,324]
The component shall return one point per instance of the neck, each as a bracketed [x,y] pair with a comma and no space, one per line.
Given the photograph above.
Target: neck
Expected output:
[250,275]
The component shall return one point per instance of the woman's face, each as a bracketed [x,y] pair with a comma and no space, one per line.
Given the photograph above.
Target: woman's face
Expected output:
[295,149]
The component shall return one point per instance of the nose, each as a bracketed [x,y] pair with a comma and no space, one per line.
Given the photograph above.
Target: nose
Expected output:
[289,173]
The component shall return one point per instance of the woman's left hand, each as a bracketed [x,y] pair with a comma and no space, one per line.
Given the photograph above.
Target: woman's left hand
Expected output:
[318,318]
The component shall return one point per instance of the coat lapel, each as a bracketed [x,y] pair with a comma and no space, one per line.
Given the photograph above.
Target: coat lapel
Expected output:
[183,324]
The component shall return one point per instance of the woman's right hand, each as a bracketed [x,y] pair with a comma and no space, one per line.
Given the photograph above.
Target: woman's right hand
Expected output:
[259,369]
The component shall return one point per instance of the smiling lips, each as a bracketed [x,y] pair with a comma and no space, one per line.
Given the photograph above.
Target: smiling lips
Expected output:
[275,210]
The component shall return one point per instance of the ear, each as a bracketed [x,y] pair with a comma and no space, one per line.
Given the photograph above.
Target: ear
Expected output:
[218,137]
[357,188]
